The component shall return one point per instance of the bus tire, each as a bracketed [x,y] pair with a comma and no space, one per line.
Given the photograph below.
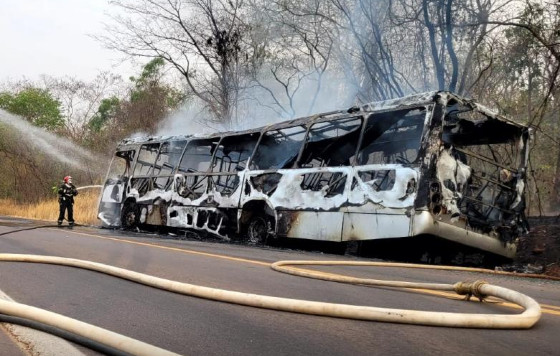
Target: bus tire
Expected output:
[258,229]
[130,216]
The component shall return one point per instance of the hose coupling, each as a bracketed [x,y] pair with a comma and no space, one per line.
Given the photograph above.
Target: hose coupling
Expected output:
[470,288]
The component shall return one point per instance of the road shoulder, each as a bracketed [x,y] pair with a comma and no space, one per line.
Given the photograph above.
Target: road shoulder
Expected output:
[20,340]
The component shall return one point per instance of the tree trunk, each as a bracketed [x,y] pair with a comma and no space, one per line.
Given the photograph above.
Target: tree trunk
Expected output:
[450,48]
[555,199]
[440,75]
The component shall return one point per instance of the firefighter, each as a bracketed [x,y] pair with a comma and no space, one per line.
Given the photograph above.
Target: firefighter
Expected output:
[66,194]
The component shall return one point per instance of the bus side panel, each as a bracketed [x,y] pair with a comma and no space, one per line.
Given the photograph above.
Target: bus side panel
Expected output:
[374,226]
[282,189]
[313,225]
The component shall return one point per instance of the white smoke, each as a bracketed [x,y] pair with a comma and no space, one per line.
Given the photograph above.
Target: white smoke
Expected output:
[313,95]
[190,119]
[258,107]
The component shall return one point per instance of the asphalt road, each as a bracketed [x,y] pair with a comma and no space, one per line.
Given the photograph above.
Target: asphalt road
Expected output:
[193,326]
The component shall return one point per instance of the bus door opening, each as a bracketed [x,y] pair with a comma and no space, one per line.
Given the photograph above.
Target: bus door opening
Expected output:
[115,188]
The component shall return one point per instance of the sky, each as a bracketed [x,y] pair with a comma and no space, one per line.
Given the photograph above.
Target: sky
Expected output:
[53,37]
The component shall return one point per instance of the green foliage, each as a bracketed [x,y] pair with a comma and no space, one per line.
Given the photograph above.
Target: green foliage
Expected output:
[151,74]
[107,110]
[149,101]
[35,105]
[149,85]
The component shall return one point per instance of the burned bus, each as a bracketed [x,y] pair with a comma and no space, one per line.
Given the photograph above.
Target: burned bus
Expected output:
[431,164]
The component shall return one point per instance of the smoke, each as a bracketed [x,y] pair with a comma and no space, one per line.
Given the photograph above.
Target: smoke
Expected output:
[295,80]
[291,83]
[190,119]
[288,85]
[264,105]
[313,94]
[56,147]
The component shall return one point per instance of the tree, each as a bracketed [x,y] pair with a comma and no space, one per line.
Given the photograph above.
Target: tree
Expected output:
[149,100]
[80,99]
[448,37]
[372,41]
[150,83]
[35,105]
[33,159]
[107,110]
[201,39]
[291,49]
[527,70]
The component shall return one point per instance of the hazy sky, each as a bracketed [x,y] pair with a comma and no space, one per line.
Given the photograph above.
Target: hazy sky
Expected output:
[51,37]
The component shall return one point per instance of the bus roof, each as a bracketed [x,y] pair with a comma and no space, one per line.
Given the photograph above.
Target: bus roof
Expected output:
[378,106]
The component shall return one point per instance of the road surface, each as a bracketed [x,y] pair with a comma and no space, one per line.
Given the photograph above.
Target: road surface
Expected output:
[192,326]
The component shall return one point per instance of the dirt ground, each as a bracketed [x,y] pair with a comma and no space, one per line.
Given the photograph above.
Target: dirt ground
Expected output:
[539,251]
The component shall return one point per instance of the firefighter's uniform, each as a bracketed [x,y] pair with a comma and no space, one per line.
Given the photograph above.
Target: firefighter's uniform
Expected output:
[66,194]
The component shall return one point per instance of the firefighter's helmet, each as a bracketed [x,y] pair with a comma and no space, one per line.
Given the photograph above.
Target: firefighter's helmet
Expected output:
[67,179]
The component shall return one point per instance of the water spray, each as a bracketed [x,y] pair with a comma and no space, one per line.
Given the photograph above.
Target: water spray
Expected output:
[58,148]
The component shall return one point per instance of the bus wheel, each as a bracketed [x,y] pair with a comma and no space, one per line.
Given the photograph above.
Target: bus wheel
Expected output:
[258,230]
[130,216]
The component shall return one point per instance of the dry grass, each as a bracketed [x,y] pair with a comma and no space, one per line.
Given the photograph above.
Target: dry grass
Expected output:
[85,208]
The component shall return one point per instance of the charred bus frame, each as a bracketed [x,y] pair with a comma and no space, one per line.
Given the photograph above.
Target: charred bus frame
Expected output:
[429,164]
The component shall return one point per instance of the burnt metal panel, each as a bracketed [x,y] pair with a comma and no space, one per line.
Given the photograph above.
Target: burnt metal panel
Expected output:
[314,225]
[359,226]
[156,214]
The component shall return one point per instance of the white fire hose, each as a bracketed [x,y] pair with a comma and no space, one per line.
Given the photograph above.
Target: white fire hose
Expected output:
[480,289]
